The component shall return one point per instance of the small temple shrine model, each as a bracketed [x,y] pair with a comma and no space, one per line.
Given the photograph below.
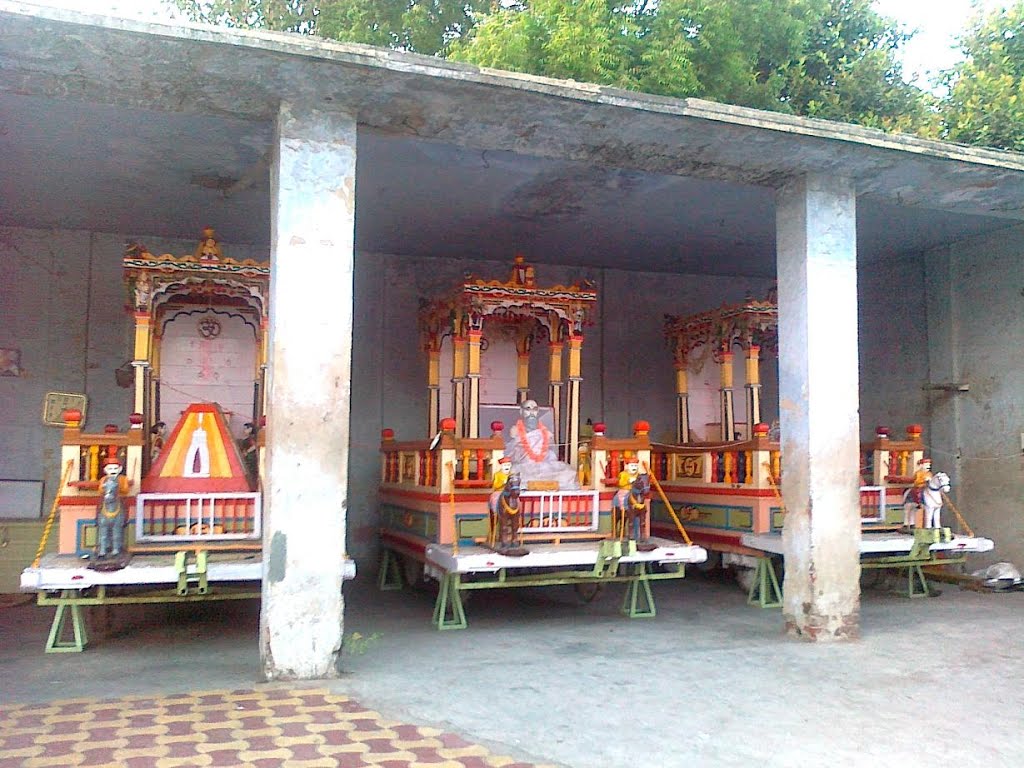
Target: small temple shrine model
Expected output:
[444,499]
[191,493]
[727,488]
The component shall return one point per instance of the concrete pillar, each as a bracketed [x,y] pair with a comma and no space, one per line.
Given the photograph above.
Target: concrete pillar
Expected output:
[313,217]
[818,405]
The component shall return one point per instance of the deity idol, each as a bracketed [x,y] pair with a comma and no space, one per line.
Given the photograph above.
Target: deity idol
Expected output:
[533,452]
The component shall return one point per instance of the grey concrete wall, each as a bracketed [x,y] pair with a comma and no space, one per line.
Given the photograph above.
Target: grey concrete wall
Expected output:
[893,331]
[975,336]
[62,304]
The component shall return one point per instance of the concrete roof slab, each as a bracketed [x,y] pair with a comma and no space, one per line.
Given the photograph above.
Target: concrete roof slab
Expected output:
[453,159]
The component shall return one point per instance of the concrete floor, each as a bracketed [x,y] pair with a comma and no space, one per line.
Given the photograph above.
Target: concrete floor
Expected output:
[538,675]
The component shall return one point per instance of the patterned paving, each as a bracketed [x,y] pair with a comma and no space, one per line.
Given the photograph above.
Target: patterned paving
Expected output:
[263,727]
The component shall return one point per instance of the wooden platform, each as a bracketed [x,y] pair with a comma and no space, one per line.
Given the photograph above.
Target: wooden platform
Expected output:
[543,555]
[878,543]
[72,572]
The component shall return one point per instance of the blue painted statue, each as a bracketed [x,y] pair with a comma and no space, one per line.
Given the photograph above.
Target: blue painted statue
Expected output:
[111,520]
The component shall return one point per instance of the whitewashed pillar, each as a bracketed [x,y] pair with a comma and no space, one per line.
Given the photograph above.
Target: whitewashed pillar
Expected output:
[311,293]
[818,404]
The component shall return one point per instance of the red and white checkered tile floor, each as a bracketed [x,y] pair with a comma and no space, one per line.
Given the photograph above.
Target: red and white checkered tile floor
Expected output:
[266,726]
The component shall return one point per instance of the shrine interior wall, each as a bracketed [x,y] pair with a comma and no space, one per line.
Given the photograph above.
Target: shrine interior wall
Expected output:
[975,337]
[892,334]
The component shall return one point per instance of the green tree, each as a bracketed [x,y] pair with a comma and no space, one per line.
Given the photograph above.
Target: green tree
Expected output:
[276,15]
[985,105]
[850,71]
[834,59]
[420,26]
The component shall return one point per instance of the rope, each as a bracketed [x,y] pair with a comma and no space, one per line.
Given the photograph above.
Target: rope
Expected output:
[53,513]
[959,517]
[668,505]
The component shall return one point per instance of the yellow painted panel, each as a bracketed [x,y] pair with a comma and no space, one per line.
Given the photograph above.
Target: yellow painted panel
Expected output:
[472,528]
[741,518]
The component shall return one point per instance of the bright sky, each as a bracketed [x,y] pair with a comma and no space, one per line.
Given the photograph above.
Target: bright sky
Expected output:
[938,22]
[930,51]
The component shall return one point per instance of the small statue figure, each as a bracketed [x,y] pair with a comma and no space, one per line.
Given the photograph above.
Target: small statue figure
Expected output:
[505,517]
[143,291]
[250,450]
[156,442]
[927,497]
[629,507]
[530,448]
[111,520]
[912,500]
[500,477]
[208,250]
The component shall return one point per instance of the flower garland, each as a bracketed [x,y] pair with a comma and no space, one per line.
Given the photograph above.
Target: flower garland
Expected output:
[546,441]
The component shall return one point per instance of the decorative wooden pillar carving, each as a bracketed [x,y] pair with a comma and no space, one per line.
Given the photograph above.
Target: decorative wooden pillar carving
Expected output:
[433,388]
[555,390]
[682,406]
[727,408]
[753,388]
[472,417]
[459,384]
[572,405]
[523,344]
[143,338]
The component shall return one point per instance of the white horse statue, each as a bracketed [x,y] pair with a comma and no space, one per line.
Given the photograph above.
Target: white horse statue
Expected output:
[931,500]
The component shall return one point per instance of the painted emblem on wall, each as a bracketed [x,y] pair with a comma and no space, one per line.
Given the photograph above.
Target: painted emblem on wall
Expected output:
[690,465]
[209,328]
[10,362]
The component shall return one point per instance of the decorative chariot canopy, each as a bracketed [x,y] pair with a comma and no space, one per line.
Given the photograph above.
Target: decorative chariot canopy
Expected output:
[515,309]
[205,276]
[205,283]
[518,304]
[753,326]
[751,323]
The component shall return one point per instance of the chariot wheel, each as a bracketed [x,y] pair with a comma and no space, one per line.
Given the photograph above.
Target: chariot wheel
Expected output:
[412,574]
[587,591]
[713,563]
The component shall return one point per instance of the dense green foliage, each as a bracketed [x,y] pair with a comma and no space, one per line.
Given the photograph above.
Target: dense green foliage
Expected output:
[832,59]
[986,96]
[835,59]
[420,26]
